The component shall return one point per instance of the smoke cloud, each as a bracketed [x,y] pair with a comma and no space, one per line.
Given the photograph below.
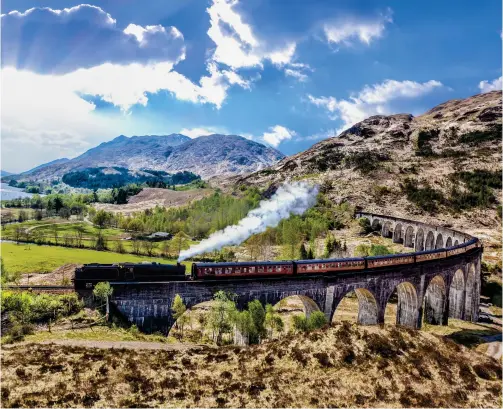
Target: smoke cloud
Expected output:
[290,199]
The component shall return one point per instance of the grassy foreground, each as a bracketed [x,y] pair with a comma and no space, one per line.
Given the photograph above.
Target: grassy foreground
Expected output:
[342,366]
[31,258]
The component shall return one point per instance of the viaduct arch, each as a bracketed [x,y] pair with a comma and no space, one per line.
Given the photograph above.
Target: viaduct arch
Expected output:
[431,290]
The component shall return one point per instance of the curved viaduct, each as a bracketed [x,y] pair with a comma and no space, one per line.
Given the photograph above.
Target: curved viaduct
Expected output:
[431,290]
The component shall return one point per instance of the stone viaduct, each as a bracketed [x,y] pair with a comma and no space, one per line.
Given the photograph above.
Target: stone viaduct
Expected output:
[431,290]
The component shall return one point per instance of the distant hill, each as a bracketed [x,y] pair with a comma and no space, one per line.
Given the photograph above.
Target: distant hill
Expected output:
[45,165]
[5,173]
[206,156]
[105,178]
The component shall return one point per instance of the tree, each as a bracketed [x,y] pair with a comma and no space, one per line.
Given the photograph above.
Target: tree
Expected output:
[18,234]
[244,327]
[220,317]
[365,226]
[38,215]
[136,245]
[273,321]
[291,235]
[101,218]
[79,233]
[64,212]
[179,242]
[22,216]
[102,291]
[149,247]
[178,309]
[119,247]
[101,243]
[310,255]
[303,252]
[257,314]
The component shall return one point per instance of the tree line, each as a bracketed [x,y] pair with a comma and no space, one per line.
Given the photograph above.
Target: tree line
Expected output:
[228,325]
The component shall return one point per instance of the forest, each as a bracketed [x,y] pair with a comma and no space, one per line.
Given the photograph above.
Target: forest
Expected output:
[114,177]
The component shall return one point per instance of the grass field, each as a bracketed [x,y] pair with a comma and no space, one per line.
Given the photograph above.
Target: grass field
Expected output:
[31,258]
[46,229]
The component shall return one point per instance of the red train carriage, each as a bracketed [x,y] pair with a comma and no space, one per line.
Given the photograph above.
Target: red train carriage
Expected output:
[242,269]
[391,260]
[329,265]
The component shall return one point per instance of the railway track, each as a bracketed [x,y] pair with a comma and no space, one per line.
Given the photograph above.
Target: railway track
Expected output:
[53,289]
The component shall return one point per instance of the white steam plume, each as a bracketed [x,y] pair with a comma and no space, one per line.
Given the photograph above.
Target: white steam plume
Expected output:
[290,198]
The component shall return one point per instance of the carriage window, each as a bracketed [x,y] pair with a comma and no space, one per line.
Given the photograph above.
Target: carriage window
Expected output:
[228,270]
[279,269]
[245,270]
[238,270]
[261,269]
[269,269]
[218,271]
[252,269]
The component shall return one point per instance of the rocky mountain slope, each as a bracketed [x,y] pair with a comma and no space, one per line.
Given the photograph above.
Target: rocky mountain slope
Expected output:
[45,165]
[205,156]
[432,167]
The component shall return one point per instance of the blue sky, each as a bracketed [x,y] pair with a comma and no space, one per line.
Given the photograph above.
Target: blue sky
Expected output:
[283,73]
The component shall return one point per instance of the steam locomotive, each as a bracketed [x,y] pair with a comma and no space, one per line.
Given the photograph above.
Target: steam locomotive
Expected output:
[89,275]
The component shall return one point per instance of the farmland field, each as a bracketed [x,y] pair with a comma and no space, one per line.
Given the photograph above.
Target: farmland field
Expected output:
[32,258]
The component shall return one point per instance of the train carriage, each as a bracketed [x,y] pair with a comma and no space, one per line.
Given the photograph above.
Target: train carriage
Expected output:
[391,260]
[329,265]
[241,269]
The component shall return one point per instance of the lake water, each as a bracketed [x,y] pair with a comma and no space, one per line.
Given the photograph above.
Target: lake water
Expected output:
[8,192]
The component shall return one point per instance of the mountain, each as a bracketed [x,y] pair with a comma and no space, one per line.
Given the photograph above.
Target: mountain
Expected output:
[45,165]
[5,173]
[441,166]
[205,156]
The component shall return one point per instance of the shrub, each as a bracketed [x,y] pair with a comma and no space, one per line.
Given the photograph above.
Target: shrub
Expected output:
[476,137]
[365,226]
[316,320]
[423,142]
[365,161]
[425,197]
[478,189]
[300,323]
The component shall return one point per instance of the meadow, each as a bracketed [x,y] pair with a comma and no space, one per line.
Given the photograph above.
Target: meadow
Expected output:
[32,258]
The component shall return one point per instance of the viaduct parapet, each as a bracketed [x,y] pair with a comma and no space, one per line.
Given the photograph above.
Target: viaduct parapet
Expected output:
[432,290]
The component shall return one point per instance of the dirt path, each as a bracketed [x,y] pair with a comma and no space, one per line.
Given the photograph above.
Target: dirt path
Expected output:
[113,344]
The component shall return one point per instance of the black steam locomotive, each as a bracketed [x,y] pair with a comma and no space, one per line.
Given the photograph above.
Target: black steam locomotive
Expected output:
[87,276]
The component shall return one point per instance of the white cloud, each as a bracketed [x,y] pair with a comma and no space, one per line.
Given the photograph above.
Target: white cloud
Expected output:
[45,40]
[372,100]
[277,135]
[494,85]
[197,132]
[236,44]
[39,111]
[348,30]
